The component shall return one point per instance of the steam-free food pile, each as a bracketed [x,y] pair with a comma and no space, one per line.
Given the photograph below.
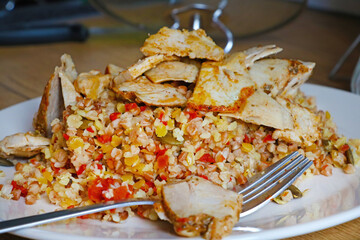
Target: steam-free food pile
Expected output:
[185,111]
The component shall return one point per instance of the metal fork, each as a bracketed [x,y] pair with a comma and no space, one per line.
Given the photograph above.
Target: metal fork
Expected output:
[259,191]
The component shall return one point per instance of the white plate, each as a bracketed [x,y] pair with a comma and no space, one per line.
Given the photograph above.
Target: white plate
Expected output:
[330,201]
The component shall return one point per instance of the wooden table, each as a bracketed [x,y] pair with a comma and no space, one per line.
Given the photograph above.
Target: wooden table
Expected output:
[313,36]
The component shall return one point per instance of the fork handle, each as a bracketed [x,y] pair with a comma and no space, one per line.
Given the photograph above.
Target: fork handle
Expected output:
[34,220]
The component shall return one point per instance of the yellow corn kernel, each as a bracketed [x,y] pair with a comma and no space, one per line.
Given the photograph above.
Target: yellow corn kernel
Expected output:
[190,159]
[311,148]
[46,152]
[68,202]
[132,161]
[246,147]
[48,190]
[48,176]
[139,184]
[98,125]
[88,202]
[126,148]
[327,115]
[106,148]
[176,113]
[161,130]
[128,131]
[340,142]
[75,142]
[171,124]
[127,177]
[139,167]
[42,180]
[115,141]
[120,107]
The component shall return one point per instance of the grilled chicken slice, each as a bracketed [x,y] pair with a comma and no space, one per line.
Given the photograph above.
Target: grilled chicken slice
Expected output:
[154,94]
[224,86]
[147,63]
[218,89]
[68,90]
[143,65]
[52,103]
[174,71]
[199,207]
[280,77]
[22,145]
[92,84]
[306,125]
[261,109]
[182,43]
[113,70]
[68,67]
[256,53]
[51,106]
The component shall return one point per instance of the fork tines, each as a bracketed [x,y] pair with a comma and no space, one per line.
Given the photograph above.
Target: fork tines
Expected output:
[267,185]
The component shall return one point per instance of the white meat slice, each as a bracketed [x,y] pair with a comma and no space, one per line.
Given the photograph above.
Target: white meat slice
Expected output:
[280,77]
[224,86]
[218,89]
[68,67]
[68,90]
[261,109]
[147,63]
[306,125]
[153,94]
[51,106]
[182,43]
[143,65]
[173,70]
[113,70]
[52,102]
[22,145]
[92,84]
[256,53]
[197,206]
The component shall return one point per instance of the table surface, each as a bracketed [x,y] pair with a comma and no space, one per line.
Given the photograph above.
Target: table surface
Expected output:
[313,36]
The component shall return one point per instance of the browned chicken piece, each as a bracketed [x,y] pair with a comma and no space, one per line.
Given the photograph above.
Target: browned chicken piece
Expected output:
[224,86]
[51,106]
[147,63]
[306,124]
[280,77]
[143,65]
[68,67]
[196,206]
[22,145]
[174,71]
[255,53]
[113,70]
[220,90]
[154,94]
[239,62]
[68,90]
[52,103]
[92,84]
[261,109]
[182,43]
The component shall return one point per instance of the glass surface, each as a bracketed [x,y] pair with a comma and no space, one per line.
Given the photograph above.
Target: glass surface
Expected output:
[242,17]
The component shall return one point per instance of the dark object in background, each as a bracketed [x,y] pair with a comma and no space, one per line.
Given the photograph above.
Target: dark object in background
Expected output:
[43,21]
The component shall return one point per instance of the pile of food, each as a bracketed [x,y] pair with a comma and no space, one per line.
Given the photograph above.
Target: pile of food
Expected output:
[184,110]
